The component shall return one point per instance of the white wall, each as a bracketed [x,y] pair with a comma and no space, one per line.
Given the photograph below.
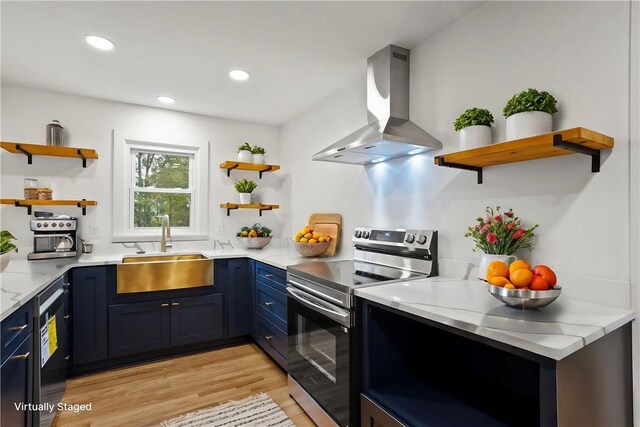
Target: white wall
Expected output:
[89,123]
[481,60]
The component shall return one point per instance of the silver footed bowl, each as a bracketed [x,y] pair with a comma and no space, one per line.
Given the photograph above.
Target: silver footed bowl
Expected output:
[525,299]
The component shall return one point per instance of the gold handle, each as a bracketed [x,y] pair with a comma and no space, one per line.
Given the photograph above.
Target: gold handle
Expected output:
[175,303]
[164,305]
[18,328]
[268,303]
[268,337]
[66,317]
[21,356]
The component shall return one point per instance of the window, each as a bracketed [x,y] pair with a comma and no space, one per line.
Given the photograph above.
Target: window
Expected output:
[158,176]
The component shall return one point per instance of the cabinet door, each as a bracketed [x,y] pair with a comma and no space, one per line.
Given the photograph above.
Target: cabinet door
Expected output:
[196,319]
[139,327]
[238,301]
[16,379]
[89,314]
[253,318]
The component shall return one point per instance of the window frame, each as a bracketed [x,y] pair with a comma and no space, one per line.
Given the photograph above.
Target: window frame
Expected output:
[125,146]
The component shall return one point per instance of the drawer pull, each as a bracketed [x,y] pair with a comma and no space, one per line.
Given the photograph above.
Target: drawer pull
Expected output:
[21,356]
[268,337]
[268,276]
[268,303]
[66,358]
[164,305]
[67,317]
[175,303]
[18,328]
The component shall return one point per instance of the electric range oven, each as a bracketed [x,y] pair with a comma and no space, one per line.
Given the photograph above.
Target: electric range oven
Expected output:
[321,311]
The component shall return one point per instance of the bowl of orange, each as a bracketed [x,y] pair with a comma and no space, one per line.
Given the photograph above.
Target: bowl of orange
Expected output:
[310,243]
[520,286]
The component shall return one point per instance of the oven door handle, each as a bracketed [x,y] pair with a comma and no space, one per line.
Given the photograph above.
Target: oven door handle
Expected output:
[342,318]
[313,291]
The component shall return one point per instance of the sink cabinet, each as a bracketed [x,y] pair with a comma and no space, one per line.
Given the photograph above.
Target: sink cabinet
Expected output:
[196,319]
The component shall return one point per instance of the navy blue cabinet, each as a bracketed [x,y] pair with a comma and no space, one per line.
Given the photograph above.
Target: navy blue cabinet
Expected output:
[16,377]
[238,297]
[196,319]
[89,314]
[139,327]
[269,310]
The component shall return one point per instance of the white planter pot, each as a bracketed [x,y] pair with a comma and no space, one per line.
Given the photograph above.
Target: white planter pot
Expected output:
[4,260]
[245,198]
[528,123]
[488,259]
[475,136]
[258,159]
[245,156]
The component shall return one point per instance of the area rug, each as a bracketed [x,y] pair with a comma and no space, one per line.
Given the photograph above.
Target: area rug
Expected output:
[258,410]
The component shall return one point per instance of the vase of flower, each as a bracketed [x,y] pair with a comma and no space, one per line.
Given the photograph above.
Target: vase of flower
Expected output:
[498,236]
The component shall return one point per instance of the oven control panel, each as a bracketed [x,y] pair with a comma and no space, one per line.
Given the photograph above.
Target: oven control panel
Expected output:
[54,224]
[410,239]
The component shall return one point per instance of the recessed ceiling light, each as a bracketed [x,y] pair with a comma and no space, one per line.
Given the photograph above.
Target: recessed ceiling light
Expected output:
[99,42]
[239,74]
[166,99]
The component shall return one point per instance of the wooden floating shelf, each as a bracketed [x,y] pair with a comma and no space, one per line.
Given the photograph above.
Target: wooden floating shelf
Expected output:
[30,203]
[31,150]
[230,165]
[233,206]
[559,143]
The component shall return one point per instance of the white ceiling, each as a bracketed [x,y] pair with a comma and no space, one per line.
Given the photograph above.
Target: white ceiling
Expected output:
[297,52]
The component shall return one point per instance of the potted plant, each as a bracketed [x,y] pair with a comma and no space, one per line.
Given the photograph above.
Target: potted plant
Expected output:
[244,153]
[474,126]
[258,154]
[498,236]
[255,237]
[6,247]
[529,113]
[245,188]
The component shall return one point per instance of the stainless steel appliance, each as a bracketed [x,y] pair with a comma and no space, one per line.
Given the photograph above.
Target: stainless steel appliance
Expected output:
[322,315]
[51,348]
[54,237]
[389,133]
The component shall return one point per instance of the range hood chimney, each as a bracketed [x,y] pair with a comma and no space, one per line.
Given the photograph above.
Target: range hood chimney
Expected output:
[389,133]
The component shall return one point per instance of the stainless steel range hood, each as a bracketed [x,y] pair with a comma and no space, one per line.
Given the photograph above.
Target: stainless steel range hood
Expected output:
[389,133]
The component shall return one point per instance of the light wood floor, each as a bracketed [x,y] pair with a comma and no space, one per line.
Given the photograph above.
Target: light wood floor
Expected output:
[147,394]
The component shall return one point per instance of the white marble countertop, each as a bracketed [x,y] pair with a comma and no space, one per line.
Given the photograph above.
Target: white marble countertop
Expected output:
[554,331]
[23,279]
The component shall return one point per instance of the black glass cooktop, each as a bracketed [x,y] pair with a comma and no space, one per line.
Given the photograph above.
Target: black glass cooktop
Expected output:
[348,275]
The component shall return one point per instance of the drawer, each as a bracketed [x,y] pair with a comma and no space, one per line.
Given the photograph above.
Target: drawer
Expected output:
[271,276]
[16,328]
[272,339]
[272,304]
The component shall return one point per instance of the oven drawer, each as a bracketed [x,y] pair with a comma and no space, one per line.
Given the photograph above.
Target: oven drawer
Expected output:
[271,276]
[272,304]
[273,340]
[15,329]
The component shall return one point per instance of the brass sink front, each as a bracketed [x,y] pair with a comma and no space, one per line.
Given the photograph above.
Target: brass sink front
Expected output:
[163,272]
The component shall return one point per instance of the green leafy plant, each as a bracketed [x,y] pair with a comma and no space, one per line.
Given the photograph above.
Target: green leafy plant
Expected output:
[244,146]
[258,150]
[256,230]
[500,233]
[244,186]
[5,242]
[473,117]
[530,100]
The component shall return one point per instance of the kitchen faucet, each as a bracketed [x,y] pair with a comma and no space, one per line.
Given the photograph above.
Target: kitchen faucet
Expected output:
[166,234]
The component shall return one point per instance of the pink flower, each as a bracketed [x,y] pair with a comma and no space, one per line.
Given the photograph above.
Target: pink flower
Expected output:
[498,218]
[509,226]
[509,214]
[518,234]
[491,238]
[486,228]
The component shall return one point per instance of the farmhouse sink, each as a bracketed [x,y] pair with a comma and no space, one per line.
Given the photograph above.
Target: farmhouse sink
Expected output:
[152,273]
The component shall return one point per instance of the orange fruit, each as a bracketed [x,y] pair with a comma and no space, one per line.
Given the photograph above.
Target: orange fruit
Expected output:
[546,273]
[509,286]
[308,236]
[521,278]
[304,240]
[517,265]
[327,238]
[499,281]
[313,241]
[497,268]
[539,284]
